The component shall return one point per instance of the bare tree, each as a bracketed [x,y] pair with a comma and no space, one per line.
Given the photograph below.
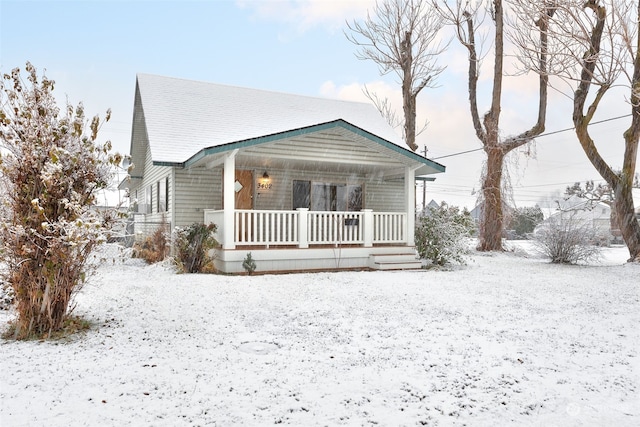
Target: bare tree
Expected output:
[596,46]
[401,37]
[467,18]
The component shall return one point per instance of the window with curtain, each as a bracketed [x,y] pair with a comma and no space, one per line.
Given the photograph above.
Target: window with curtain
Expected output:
[321,196]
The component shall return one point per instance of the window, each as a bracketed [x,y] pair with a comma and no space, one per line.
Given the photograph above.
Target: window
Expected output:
[163,195]
[149,199]
[320,196]
[354,198]
[143,199]
[301,192]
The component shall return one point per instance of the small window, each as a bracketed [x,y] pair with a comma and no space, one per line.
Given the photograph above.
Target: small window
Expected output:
[143,199]
[163,195]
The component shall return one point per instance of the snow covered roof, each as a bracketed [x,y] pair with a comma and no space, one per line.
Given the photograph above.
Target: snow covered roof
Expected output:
[187,119]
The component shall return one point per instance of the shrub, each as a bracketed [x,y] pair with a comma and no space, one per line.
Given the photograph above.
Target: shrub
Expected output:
[524,221]
[249,264]
[51,170]
[192,245]
[154,248]
[567,241]
[441,234]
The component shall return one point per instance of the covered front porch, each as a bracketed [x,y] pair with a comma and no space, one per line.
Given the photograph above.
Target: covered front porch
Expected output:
[327,197]
[303,240]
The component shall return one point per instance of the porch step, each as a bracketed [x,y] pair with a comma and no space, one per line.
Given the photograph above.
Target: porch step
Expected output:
[399,261]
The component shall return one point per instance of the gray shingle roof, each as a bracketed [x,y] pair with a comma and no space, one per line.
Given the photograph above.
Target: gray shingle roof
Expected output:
[184,117]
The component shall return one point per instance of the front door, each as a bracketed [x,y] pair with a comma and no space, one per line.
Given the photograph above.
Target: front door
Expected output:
[244,189]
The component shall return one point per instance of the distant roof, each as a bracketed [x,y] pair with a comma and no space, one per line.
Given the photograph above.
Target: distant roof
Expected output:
[184,117]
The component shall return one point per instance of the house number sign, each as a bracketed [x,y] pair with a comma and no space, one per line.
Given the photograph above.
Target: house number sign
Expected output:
[264,185]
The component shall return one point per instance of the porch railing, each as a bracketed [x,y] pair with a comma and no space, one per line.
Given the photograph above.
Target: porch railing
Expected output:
[266,227]
[303,228]
[389,227]
[336,227]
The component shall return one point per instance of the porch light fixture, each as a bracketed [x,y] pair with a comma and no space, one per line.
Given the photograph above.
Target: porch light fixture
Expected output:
[265,177]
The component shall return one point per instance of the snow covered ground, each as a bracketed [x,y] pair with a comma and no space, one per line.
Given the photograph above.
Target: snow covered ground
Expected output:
[507,340]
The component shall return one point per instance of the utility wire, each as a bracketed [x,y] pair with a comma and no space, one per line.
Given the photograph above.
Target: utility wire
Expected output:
[539,136]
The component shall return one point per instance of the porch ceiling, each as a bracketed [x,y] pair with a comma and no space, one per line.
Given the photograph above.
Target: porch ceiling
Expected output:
[334,149]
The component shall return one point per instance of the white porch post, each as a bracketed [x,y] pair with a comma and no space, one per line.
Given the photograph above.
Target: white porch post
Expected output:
[368,227]
[229,201]
[303,229]
[410,197]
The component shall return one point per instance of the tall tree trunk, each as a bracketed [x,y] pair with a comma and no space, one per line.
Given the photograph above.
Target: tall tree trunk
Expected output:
[488,128]
[491,222]
[621,183]
[409,107]
[408,96]
[629,226]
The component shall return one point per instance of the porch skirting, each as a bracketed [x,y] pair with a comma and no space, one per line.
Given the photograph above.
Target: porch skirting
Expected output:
[318,259]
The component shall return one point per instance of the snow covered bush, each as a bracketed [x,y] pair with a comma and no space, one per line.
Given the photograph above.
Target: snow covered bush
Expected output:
[567,241]
[154,248]
[441,234]
[192,246]
[524,220]
[51,170]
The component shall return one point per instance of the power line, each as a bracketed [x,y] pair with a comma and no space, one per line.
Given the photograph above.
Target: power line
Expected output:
[456,154]
[539,136]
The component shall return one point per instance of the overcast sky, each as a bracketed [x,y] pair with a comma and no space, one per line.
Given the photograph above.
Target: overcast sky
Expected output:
[93,50]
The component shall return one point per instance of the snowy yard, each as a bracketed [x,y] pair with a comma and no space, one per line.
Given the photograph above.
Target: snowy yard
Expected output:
[506,340]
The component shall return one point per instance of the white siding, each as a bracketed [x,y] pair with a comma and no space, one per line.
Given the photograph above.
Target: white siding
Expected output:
[152,175]
[196,189]
[383,196]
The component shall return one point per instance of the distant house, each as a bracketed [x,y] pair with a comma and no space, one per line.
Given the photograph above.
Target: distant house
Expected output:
[302,183]
[476,213]
[431,205]
[596,215]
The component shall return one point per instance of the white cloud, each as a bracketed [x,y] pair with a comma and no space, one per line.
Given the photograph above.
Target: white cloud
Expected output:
[355,92]
[449,123]
[306,14]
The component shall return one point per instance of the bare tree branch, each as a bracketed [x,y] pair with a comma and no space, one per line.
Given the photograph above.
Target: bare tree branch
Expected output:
[597,42]
[463,17]
[402,37]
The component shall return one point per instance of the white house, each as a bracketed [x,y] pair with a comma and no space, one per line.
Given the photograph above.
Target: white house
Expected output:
[593,215]
[302,183]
